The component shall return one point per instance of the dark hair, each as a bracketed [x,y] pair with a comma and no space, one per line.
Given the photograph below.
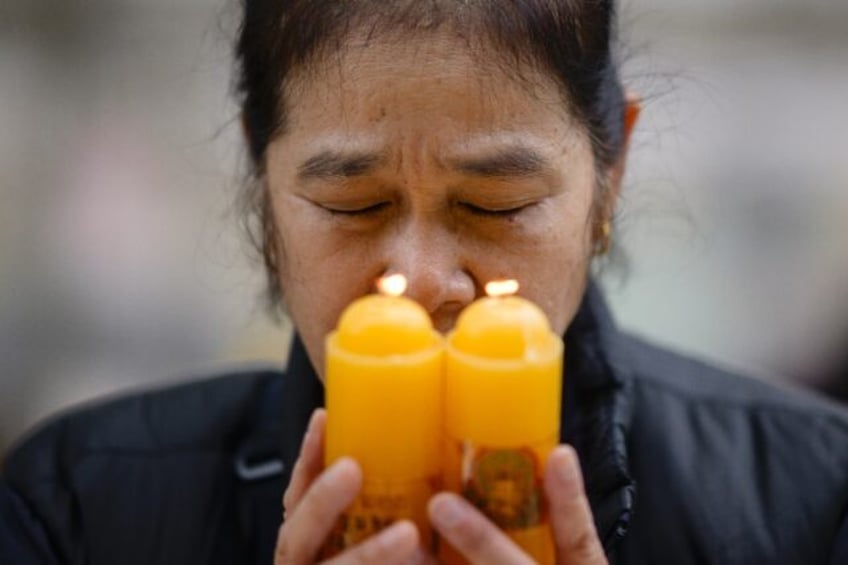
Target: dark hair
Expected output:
[569,40]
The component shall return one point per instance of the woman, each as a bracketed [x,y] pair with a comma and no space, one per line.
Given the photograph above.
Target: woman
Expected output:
[455,142]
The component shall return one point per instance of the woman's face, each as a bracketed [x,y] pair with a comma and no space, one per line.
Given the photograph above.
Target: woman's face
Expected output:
[418,158]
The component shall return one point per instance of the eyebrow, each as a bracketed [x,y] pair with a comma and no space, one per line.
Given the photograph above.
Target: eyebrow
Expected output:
[507,162]
[335,164]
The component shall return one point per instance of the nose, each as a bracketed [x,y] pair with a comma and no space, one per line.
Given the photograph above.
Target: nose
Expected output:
[431,259]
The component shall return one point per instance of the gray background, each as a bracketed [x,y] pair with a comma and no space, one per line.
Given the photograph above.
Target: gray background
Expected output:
[122,264]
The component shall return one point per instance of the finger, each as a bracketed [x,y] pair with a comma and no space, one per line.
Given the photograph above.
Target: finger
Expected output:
[421,557]
[571,516]
[471,533]
[396,544]
[305,531]
[310,461]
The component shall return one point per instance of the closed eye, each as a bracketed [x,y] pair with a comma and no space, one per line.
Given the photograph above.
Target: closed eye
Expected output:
[360,211]
[494,212]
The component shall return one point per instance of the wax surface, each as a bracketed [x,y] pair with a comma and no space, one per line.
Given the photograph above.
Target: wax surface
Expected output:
[384,387]
[384,373]
[502,328]
[384,325]
[503,381]
[503,374]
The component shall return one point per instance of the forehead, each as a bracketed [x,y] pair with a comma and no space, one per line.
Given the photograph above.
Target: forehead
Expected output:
[436,80]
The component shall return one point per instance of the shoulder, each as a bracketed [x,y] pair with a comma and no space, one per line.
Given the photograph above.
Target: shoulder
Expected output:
[660,374]
[742,469]
[201,414]
[103,459]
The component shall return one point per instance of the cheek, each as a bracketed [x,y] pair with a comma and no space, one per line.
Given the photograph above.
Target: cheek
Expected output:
[319,273]
[553,269]
[557,282]
[313,252]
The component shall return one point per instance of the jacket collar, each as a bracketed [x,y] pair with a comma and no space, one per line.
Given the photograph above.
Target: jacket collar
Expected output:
[595,412]
[302,392]
[265,456]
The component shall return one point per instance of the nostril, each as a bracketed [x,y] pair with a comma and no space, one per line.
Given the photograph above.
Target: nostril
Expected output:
[425,287]
[437,281]
[444,318]
[444,326]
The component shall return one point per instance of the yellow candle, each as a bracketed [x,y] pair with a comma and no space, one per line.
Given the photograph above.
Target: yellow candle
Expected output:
[502,409]
[384,366]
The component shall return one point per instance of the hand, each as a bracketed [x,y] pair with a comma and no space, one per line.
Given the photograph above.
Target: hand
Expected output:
[480,541]
[316,498]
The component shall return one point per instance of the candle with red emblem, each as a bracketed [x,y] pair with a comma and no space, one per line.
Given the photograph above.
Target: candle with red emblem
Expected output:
[384,371]
[503,385]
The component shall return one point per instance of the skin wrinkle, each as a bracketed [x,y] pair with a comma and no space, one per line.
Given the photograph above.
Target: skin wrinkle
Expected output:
[328,164]
[427,106]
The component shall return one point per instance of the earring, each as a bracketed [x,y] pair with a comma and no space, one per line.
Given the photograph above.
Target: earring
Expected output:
[604,241]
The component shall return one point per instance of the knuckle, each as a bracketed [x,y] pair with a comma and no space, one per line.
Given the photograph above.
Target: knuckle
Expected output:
[318,512]
[587,547]
[287,499]
[282,556]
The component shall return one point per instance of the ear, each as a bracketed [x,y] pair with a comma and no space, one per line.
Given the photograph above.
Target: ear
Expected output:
[632,111]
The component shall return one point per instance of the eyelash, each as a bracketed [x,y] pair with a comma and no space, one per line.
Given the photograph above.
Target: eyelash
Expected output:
[507,213]
[373,209]
[472,208]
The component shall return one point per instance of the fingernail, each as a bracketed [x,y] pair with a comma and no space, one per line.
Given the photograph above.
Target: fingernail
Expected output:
[343,466]
[447,511]
[307,437]
[310,427]
[345,477]
[566,469]
[396,534]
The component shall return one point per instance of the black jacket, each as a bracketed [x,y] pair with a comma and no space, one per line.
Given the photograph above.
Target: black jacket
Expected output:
[683,464]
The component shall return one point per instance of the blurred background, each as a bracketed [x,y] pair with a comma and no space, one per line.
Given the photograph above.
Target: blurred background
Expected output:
[123,264]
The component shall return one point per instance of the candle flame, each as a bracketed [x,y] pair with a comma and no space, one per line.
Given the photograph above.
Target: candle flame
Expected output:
[393,285]
[502,288]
